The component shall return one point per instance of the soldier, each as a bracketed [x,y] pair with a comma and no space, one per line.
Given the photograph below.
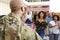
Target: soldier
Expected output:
[15,29]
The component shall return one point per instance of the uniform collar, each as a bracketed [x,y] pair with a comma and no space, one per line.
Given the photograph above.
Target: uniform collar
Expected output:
[16,16]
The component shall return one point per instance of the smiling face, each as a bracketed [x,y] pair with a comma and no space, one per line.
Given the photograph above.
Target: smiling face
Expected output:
[41,15]
[55,18]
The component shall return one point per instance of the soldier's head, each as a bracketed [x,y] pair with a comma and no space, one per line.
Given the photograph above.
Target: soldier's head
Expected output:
[17,5]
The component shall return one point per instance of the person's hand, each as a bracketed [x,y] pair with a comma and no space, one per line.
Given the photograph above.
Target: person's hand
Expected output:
[50,26]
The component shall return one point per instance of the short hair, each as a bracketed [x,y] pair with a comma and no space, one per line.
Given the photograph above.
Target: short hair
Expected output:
[16,4]
[43,13]
[56,16]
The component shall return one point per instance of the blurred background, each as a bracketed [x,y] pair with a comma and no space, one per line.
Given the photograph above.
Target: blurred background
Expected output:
[32,7]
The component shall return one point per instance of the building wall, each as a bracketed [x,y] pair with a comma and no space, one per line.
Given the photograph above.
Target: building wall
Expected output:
[4,8]
[37,9]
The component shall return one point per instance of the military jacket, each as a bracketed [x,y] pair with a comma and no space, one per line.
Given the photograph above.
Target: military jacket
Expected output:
[15,29]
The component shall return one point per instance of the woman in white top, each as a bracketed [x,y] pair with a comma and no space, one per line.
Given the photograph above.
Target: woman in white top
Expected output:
[54,28]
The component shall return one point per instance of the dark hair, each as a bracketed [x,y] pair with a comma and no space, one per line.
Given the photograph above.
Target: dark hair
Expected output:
[43,13]
[56,16]
[35,17]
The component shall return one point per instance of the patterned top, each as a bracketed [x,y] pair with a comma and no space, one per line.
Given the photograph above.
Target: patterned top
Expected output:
[41,25]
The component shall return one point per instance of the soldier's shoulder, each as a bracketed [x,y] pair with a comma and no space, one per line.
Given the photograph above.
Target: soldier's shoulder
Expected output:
[7,17]
[4,17]
[1,19]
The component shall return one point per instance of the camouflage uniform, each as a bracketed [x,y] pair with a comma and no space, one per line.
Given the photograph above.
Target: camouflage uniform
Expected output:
[15,27]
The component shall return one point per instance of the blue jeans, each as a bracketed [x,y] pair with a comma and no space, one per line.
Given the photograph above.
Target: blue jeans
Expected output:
[53,36]
[41,33]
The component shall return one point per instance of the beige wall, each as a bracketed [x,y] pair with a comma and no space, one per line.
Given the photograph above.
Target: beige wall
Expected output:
[37,9]
[4,8]
[37,0]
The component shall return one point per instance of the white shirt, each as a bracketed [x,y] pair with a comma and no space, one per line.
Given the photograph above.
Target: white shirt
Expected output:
[55,29]
[29,16]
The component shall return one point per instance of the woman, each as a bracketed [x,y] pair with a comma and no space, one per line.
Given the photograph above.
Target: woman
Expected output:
[41,24]
[35,19]
[54,28]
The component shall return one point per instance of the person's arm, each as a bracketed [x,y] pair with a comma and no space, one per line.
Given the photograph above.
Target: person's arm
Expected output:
[50,26]
[46,31]
[59,25]
[29,34]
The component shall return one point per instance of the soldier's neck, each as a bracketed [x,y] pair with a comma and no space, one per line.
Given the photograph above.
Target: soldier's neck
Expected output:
[18,13]
[17,16]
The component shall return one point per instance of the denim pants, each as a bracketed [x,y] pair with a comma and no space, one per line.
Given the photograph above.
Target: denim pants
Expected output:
[53,36]
[41,33]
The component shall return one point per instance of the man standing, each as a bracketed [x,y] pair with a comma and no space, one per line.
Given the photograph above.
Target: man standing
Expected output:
[13,25]
[48,17]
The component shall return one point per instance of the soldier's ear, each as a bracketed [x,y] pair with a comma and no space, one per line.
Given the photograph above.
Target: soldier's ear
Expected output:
[22,9]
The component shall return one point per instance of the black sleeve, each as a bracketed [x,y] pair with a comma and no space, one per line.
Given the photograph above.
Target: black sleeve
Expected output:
[36,22]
